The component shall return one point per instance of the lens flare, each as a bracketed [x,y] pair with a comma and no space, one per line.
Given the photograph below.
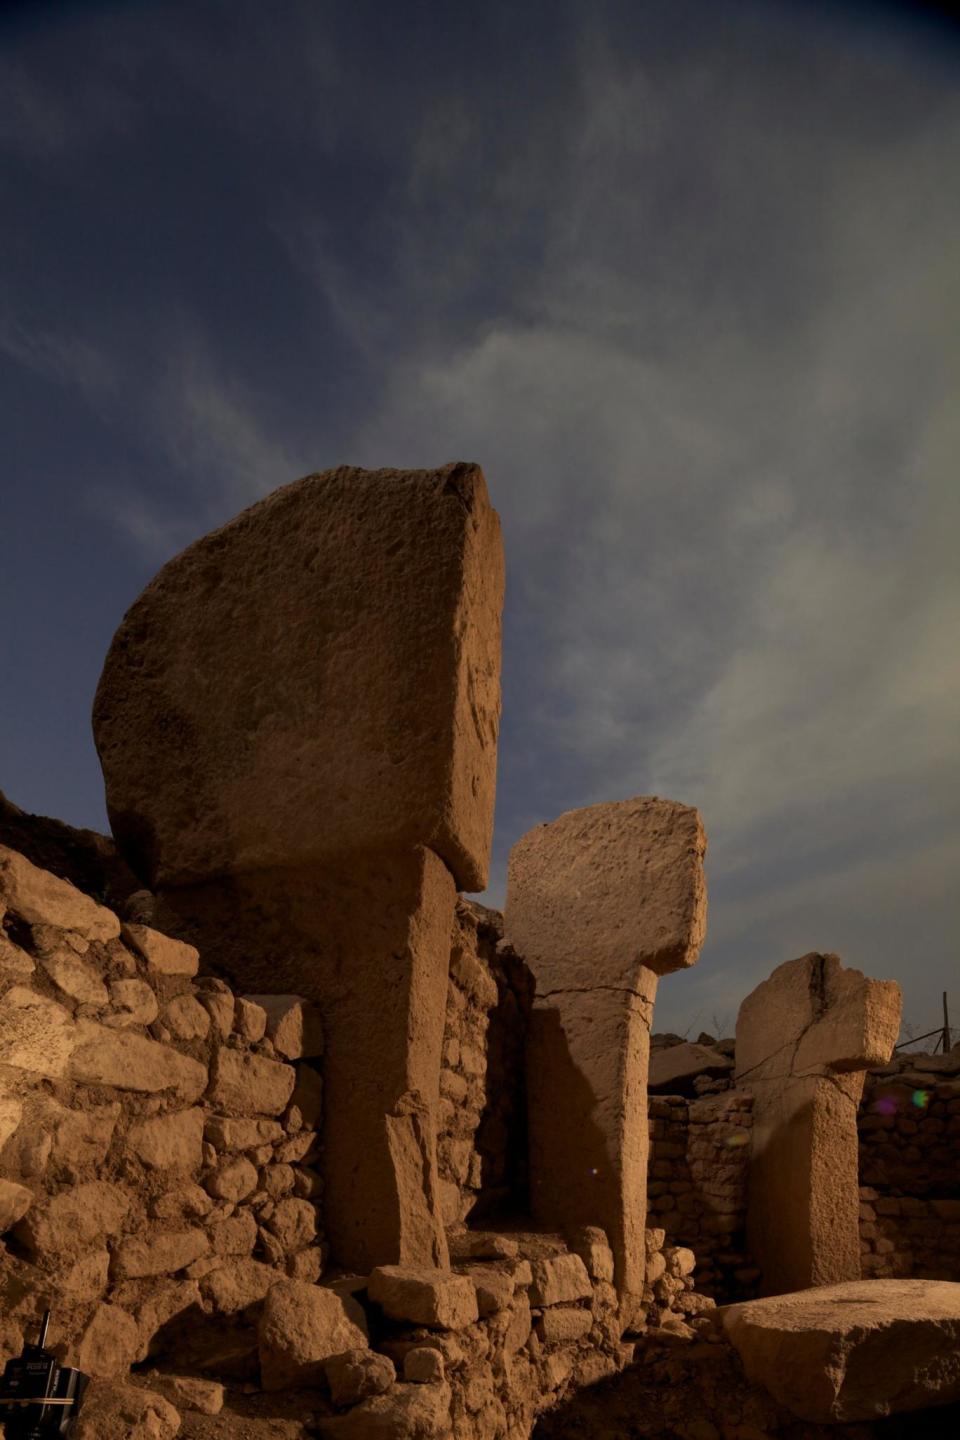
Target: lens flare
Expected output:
[886,1105]
[738,1138]
[921,1098]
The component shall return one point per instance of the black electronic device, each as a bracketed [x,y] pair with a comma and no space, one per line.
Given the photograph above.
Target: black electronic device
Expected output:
[39,1397]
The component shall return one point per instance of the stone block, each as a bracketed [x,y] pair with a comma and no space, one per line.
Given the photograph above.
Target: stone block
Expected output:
[169,1141]
[559,1280]
[41,898]
[127,1061]
[161,954]
[250,1084]
[293,1024]
[358,1374]
[216,679]
[434,1298]
[301,1327]
[563,1324]
[161,1252]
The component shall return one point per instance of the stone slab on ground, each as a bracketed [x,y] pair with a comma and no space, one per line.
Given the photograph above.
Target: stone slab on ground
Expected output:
[855,1351]
[675,1064]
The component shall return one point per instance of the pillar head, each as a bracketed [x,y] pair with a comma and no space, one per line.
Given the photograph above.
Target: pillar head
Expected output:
[319,677]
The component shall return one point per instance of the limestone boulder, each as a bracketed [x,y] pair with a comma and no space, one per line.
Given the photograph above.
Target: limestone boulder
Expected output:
[161,1252]
[405,1412]
[75,976]
[189,1392]
[160,954]
[855,1351]
[300,1328]
[559,1280]
[73,1219]
[118,1411]
[169,1142]
[15,1201]
[109,1344]
[36,1034]
[237,1285]
[258,677]
[293,1024]
[128,1061]
[357,1375]
[41,898]
[250,1084]
[435,1298]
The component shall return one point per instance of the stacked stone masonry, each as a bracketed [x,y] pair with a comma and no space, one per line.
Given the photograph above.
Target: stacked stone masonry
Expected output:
[159,1133]
[909,1128]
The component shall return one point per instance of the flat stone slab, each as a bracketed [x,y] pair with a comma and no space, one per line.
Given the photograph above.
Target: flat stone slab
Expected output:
[677,1064]
[855,1351]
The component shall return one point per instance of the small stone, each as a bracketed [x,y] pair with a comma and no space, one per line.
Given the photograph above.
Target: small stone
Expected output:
[11,1113]
[234,1180]
[424,1366]
[185,1203]
[591,1244]
[220,1005]
[133,1003]
[293,1024]
[307,1265]
[76,977]
[228,1134]
[234,1236]
[36,1034]
[357,1374]
[161,954]
[13,960]
[108,1346]
[249,1019]
[186,1018]
[493,1247]
[74,1219]
[15,1201]
[189,1392]
[680,1260]
[237,1285]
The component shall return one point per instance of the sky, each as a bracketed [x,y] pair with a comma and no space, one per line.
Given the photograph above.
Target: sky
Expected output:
[684,278]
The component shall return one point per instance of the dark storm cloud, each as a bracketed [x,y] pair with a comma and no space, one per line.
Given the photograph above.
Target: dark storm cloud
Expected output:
[682,277]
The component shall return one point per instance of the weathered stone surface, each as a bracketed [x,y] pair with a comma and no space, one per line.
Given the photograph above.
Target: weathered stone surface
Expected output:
[36,1034]
[186,1018]
[133,1062]
[125,1412]
[86,1278]
[249,1019]
[258,677]
[41,898]
[590,1243]
[11,1113]
[236,1235]
[169,1141]
[369,941]
[294,1223]
[189,1392]
[81,1137]
[676,1064]
[405,1412]
[234,1180]
[293,1024]
[73,1219]
[854,1351]
[559,1280]
[159,1253]
[250,1084]
[75,976]
[600,903]
[423,1365]
[161,954]
[562,1324]
[803,1204]
[13,959]
[108,1346]
[357,1374]
[434,1298]
[15,1201]
[301,1327]
[133,1003]
[237,1285]
[227,1133]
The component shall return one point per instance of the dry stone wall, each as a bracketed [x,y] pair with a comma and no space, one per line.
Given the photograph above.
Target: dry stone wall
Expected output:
[159,1147]
[697,1186]
[482,1117]
[909,1129]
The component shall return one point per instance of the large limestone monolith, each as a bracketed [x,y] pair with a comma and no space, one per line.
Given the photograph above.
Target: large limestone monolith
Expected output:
[601,903]
[297,723]
[805,1038]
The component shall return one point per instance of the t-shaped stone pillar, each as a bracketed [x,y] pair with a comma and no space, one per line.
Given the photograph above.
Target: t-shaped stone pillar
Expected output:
[805,1037]
[297,723]
[600,903]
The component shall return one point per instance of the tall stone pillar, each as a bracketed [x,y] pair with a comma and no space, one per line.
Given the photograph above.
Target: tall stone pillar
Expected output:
[297,723]
[805,1038]
[600,904]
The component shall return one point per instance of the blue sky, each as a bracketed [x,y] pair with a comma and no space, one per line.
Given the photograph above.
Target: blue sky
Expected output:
[683,277]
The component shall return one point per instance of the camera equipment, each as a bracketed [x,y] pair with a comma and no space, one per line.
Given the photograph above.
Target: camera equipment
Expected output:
[39,1397]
